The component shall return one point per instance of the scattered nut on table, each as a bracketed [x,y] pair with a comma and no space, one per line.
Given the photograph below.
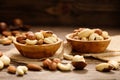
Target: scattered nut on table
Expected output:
[21,70]
[11,69]
[79,62]
[34,67]
[65,67]
[104,67]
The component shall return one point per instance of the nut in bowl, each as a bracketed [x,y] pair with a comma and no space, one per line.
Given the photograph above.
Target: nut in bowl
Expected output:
[36,45]
[87,40]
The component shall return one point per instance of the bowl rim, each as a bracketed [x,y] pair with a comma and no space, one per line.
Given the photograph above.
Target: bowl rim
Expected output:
[15,42]
[68,38]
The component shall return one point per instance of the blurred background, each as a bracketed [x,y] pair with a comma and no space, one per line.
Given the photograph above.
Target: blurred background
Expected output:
[105,13]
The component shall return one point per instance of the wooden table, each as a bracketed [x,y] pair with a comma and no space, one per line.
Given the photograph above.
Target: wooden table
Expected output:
[89,73]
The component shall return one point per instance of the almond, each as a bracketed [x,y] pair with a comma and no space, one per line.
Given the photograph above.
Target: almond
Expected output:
[11,69]
[34,67]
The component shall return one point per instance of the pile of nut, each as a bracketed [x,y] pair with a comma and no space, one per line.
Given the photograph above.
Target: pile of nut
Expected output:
[77,62]
[37,38]
[88,34]
[9,32]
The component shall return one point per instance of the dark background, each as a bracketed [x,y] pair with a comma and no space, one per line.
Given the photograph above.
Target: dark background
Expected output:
[105,13]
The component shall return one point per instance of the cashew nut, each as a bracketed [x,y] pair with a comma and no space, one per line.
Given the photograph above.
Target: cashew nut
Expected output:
[93,36]
[49,40]
[39,35]
[5,60]
[31,42]
[67,56]
[85,33]
[105,34]
[21,70]
[64,67]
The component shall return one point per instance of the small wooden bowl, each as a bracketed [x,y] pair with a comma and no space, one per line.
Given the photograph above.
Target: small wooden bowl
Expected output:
[88,46]
[37,51]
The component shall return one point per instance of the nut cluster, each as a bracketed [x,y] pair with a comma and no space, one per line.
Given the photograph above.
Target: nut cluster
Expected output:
[87,34]
[7,37]
[37,38]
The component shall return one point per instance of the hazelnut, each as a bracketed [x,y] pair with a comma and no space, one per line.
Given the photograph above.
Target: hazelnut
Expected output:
[11,69]
[56,60]
[40,41]
[53,66]
[17,22]
[21,39]
[46,63]
[15,33]
[3,27]
[30,36]
[98,31]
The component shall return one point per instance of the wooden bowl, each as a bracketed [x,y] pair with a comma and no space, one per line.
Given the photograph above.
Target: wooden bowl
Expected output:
[88,46]
[37,51]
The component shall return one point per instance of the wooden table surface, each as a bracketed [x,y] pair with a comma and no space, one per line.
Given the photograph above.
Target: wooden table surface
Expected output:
[89,73]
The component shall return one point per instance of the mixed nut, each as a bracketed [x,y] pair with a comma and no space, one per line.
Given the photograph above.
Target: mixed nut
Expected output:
[8,32]
[37,38]
[87,34]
